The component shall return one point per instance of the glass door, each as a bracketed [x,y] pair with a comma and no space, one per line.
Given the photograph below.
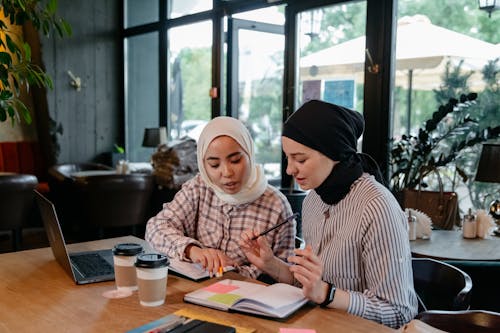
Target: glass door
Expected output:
[255,86]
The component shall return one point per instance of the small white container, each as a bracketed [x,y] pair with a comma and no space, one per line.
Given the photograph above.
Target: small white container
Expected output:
[469,225]
[412,227]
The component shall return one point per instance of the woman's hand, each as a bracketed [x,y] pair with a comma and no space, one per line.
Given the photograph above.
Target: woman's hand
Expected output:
[308,270]
[210,259]
[257,251]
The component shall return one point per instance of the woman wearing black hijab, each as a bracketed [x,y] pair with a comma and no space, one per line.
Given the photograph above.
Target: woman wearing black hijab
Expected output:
[358,255]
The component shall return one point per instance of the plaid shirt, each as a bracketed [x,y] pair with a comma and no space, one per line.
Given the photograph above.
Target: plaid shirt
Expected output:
[197,216]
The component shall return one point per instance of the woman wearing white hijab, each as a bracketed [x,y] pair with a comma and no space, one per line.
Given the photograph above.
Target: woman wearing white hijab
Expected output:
[204,221]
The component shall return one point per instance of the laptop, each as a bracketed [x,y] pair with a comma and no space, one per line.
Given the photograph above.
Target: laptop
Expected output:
[83,267]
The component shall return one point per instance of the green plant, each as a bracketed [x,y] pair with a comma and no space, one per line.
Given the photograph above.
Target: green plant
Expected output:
[118,149]
[16,68]
[451,129]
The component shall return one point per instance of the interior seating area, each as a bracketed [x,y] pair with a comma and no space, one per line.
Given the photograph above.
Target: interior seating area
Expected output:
[425,85]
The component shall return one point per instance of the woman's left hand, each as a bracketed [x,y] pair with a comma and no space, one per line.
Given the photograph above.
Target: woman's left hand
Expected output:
[258,251]
[308,270]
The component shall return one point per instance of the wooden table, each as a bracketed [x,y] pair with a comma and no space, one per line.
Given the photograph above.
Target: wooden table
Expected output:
[450,245]
[38,296]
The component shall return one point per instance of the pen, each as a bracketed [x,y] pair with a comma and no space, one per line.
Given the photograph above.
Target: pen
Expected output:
[295,215]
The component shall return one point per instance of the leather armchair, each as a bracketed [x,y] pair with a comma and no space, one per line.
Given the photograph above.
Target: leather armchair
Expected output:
[16,204]
[111,201]
[440,286]
[63,192]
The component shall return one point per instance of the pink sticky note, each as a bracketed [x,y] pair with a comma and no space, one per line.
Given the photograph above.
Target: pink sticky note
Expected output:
[220,288]
[296,330]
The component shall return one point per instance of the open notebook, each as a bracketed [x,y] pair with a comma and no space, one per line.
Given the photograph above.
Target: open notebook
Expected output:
[277,300]
[83,267]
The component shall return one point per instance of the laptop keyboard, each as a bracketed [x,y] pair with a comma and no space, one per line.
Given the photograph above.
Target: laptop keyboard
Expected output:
[91,264]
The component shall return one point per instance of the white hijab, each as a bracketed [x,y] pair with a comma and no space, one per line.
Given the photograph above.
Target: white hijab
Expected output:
[234,128]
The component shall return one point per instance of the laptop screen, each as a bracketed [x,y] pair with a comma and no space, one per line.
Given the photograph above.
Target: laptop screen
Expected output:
[54,232]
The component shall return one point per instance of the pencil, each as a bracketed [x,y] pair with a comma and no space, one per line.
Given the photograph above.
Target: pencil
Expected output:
[293,216]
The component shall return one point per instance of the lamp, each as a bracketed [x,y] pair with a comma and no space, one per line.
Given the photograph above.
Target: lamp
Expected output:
[489,5]
[488,171]
[153,137]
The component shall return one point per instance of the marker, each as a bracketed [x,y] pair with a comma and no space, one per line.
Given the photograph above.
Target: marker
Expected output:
[220,272]
[294,216]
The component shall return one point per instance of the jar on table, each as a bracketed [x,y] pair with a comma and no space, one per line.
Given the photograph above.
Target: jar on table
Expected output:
[469,225]
[412,227]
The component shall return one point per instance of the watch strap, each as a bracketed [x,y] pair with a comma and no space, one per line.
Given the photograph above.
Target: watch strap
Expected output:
[330,295]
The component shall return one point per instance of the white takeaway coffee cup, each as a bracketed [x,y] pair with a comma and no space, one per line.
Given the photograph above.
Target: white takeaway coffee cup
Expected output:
[124,257]
[152,272]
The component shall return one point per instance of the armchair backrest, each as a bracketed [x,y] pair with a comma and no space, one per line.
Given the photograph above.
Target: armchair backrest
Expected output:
[116,200]
[440,286]
[16,199]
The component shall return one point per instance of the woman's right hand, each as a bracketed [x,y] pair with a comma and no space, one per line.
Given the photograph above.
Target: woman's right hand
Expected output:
[258,251]
[210,259]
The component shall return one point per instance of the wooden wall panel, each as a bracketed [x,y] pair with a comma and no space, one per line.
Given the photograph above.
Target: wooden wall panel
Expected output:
[90,117]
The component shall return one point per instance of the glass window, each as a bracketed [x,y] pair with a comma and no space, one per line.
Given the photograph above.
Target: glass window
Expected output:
[272,15]
[190,52]
[141,93]
[186,7]
[445,49]
[140,12]
[331,42]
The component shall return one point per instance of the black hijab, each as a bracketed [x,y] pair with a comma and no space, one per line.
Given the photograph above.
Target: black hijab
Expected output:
[333,131]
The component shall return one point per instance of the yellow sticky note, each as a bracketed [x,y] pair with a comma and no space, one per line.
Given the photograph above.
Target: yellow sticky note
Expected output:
[227,299]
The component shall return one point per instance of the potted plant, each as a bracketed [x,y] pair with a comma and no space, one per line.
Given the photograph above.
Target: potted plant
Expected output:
[452,128]
[17,71]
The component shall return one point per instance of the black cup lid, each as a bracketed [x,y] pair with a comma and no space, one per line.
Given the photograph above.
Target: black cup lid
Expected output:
[127,249]
[152,260]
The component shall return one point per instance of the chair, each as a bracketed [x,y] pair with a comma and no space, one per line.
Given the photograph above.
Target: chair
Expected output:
[111,201]
[440,286]
[63,191]
[484,274]
[16,203]
[477,321]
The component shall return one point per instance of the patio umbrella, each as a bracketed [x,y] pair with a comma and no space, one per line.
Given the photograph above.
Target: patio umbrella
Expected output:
[422,51]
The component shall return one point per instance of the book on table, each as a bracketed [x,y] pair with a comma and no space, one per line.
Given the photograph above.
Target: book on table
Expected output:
[191,270]
[277,300]
[177,324]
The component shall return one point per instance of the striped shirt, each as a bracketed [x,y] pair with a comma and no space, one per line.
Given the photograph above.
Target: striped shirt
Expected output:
[363,244]
[197,216]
